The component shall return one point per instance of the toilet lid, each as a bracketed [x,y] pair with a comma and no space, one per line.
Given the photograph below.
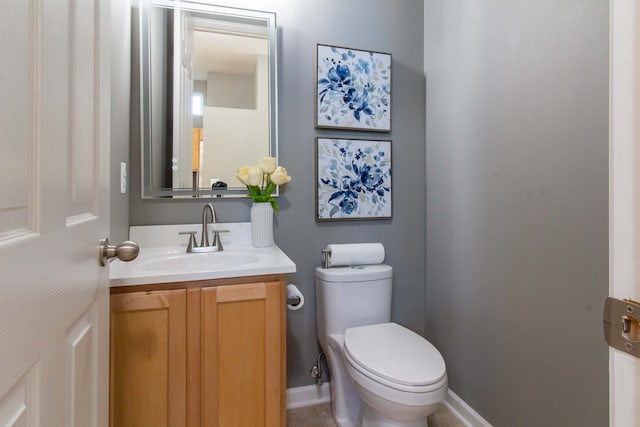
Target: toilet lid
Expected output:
[395,353]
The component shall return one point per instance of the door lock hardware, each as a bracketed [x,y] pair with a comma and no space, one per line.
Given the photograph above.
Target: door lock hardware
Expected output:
[125,251]
[622,326]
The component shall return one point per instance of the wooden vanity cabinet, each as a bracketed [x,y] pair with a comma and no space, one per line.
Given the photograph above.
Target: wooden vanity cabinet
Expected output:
[205,353]
[243,353]
[147,359]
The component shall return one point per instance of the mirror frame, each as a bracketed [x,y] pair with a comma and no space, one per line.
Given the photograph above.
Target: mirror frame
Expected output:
[147,192]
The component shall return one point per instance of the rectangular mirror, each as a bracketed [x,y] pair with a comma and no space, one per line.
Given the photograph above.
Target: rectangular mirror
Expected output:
[208,97]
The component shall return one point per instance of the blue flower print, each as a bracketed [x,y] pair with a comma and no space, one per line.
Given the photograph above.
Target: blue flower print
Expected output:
[371,178]
[348,205]
[353,88]
[354,178]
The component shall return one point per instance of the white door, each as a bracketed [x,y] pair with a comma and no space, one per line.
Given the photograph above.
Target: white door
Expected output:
[54,195]
[624,204]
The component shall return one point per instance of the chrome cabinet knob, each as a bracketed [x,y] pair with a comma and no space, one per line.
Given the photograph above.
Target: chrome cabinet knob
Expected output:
[125,251]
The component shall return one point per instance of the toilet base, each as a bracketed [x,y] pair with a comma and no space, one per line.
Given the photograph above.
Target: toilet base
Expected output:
[372,418]
[377,411]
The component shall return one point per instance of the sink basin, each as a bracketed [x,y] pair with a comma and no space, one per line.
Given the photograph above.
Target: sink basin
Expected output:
[163,257]
[199,262]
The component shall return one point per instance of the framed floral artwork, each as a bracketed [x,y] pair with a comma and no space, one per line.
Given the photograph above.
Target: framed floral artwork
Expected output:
[353,179]
[353,89]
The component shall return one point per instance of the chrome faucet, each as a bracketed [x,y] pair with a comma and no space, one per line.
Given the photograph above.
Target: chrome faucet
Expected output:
[204,240]
[208,216]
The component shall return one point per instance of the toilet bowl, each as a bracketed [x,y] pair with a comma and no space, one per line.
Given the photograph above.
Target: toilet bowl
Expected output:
[382,374]
[398,374]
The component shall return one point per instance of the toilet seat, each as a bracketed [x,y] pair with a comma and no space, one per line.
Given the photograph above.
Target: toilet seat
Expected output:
[396,357]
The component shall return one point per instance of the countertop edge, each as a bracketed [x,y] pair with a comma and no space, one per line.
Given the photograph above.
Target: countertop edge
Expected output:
[190,277]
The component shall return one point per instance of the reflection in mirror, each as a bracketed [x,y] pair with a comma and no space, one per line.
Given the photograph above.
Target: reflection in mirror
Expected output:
[208,96]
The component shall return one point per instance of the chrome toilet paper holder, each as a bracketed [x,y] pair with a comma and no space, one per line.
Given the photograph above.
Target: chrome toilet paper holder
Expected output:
[326,253]
[293,300]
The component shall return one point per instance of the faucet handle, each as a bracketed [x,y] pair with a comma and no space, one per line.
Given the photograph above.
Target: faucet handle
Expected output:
[192,240]
[217,241]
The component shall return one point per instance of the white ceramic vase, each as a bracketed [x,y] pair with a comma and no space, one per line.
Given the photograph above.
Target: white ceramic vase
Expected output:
[262,225]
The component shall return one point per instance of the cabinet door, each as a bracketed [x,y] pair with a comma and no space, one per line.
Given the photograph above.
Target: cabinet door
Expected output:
[243,355]
[148,359]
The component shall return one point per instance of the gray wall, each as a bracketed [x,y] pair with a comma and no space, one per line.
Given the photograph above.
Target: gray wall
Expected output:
[517,205]
[381,25]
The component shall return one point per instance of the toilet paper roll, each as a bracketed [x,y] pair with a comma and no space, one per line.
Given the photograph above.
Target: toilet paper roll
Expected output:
[292,292]
[356,254]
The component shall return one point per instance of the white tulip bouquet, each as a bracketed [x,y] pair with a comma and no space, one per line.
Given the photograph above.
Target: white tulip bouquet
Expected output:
[262,179]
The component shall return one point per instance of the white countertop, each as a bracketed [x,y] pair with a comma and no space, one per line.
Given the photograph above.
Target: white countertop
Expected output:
[163,256]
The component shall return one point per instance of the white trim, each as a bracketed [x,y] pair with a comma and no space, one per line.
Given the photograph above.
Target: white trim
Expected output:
[465,413]
[300,397]
[624,203]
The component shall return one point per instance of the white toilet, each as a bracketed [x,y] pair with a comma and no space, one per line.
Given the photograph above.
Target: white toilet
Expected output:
[382,374]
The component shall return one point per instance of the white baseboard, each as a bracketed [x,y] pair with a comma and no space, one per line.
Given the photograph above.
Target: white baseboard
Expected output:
[299,397]
[464,412]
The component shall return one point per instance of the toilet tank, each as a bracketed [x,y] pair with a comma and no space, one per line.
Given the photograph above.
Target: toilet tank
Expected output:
[347,297]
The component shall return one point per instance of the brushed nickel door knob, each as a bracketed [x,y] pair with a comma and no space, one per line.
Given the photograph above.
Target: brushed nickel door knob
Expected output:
[125,251]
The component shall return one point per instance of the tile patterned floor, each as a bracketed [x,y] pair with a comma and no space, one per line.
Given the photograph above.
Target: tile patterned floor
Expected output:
[320,416]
